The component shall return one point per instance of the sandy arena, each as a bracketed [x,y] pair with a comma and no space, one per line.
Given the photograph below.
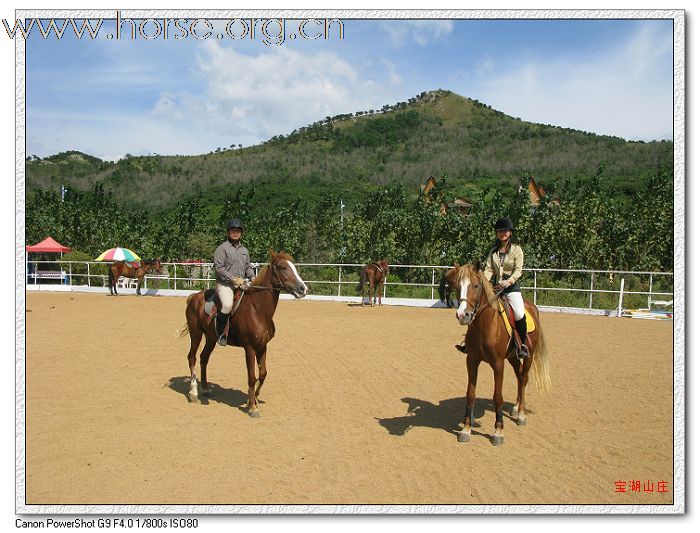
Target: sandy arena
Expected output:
[360,406]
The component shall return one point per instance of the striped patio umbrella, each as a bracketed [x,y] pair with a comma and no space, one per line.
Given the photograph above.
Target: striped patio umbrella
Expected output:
[118,254]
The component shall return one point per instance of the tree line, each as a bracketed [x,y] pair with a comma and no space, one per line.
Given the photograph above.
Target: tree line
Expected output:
[593,227]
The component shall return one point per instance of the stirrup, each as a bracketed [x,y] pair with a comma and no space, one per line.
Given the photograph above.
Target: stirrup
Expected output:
[223,341]
[523,352]
[461,347]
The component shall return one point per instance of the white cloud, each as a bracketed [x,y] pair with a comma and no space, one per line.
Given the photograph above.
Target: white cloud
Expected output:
[281,89]
[422,32]
[624,92]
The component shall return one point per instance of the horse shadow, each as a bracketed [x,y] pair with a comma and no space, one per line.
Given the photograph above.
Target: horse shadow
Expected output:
[447,415]
[231,397]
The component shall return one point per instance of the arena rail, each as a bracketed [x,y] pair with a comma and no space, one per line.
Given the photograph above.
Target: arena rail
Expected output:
[545,284]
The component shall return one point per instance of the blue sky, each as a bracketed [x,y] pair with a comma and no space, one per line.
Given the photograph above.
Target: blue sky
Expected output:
[108,98]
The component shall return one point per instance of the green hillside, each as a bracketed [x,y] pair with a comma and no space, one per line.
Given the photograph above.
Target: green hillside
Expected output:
[435,133]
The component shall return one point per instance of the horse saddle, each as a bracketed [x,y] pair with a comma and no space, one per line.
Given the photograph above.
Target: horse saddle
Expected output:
[212,303]
[134,264]
[509,318]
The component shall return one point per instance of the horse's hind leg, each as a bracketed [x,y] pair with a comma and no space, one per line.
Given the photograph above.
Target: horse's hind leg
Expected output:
[521,373]
[195,339]
[372,293]
[204,361]
[138,286]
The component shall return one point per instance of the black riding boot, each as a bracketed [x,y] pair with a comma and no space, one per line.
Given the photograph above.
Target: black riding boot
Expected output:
[521,326]
[221,320]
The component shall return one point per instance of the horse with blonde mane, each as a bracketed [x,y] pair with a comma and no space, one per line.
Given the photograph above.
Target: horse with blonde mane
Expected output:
[488,340]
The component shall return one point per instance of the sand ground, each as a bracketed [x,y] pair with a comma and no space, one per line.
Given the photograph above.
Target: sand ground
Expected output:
[361,406]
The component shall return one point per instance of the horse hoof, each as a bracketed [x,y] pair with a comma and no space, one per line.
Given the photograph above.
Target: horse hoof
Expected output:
[522,421]
[206,392]
[497,440]
[514,411]
[254,414]
[463,436]
[192,397]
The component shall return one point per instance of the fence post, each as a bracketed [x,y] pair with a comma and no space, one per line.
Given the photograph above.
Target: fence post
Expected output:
[651,281]
[35,273]
[340,274]
[590,298]
[534,298]
[175,278]
[622,292]
[432,287]
[88,270]
[70,274]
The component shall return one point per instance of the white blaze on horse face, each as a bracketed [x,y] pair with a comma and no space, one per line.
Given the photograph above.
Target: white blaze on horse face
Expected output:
[463,288]
[296,274]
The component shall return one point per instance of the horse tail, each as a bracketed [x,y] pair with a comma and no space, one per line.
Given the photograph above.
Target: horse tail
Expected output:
[363,280]
[185,329]
[540,364]
[441,289]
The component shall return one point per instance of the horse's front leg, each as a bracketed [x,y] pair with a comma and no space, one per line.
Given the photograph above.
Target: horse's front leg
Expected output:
[372,294]
[262,370]
[380,289]
[252,400]
[469,421]
[498,401]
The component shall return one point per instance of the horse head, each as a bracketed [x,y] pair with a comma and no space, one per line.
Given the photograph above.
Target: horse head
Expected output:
[157,267]
[472,287]
[285,276]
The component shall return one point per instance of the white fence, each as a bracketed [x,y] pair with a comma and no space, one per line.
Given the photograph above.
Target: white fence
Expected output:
[605,291]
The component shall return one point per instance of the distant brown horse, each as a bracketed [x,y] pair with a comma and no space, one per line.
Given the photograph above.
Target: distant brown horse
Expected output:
[123,268]
[487,340]
[375,274]
[251,325]
[448,285]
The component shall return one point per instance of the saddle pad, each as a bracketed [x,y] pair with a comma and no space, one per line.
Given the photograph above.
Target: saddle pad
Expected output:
[509,328]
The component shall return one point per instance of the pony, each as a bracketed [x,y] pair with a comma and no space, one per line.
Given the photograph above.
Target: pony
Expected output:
[448,285]
[251,326]
[123,268]
[487,340]
[375,274]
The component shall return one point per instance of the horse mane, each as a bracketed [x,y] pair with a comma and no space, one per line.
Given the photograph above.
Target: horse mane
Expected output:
[465,272]
[261,275]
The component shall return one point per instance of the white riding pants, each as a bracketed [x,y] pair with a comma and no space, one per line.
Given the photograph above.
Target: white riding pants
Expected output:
[225,293]
[515,299]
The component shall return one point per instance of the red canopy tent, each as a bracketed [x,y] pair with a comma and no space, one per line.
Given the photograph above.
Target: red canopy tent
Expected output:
[48,245]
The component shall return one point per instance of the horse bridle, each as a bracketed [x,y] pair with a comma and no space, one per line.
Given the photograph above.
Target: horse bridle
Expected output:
[263,288]
[475,310]
[470,316]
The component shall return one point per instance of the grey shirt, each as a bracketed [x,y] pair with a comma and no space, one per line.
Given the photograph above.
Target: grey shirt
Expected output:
[232,261]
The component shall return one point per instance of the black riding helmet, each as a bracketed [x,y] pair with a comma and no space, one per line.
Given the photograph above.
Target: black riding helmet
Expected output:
[504,223]
[235,223]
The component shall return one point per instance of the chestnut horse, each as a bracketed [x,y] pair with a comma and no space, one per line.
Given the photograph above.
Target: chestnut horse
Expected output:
[122,268]
[251,326]
[375,274]
[487,340]
[448,285]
